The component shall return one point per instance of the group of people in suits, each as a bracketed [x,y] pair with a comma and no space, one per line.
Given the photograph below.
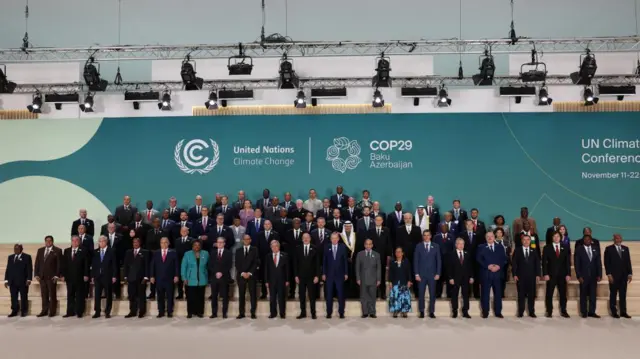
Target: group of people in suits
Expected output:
[288,247]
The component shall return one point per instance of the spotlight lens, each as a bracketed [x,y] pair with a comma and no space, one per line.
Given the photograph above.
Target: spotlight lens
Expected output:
[544,99]
[165,103]
[36,106]
[87,105]
[300,100]
[589,98]
[211,102]
[377,100]
[443,99]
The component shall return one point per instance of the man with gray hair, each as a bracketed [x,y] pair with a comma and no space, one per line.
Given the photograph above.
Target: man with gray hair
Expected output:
[75,270]
[104,275]
[459,265]
[277,279]
[174,210]
[83,220]
[195,212]
[368,278]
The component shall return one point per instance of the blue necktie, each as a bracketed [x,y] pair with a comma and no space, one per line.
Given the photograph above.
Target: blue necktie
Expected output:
[101,255]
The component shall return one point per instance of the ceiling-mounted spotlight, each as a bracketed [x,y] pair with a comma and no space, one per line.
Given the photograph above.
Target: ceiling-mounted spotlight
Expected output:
[91,76]
[588,67]
[378,100]
[212,102]
[87,106]
[300,101]
[165,102]
[443,97]
[620,91]
[543,96]
[188,73]
[534,71]
[590,98]
[6,86]
[288,78]
[36,104]
[383,72]
[240,64]
[487,70]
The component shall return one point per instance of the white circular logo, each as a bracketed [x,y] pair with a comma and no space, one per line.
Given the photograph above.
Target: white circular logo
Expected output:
[340,161]
[191,153]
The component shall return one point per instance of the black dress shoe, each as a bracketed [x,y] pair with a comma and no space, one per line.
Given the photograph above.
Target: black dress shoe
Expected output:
[130,315]
[189,316]
[240,316]
[615,315]
[301,316]
[224,316]
[313,316]
[565,315]
[264,296]
[373,316]
[485,315]
[328,316]
[97,315]
[170,315]
[519,315]
[253,316]
[213,316]
[342,316]
[583,315]
[421,315]
[283,316]
[533,315]
[594,315]
[625,315]
[199,315]
[68,315]
[13,314]
[404,315]
[364,316]
[107,316]
[432,316]
[466,315]
[499,316]
[140,315]
[23,314]
[548,315]
[161,315]
[80,316]
[151,297]
[454,315]
[271,316]
[179,297]
[42,314]
[395,315]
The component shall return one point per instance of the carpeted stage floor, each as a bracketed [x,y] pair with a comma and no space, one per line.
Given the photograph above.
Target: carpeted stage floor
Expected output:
[326,339]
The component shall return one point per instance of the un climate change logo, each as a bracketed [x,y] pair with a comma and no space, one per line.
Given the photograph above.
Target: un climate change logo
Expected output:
[194,160]
[344,154]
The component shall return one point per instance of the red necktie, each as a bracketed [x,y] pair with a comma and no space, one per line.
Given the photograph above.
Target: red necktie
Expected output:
[149,215]
[219,255]
[461,258]
[557,251]
[275,259]
[164,256]
[475,225]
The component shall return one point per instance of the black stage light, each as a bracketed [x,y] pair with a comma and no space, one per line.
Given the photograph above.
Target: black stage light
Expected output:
[165,102]
[36,104]
[87,106]
[300,101]
[240,64]
[92,78]
[487,70]
[518,92]
[543,97]
[534,71]
[589,98]
[212,102]
[6,86]
[443,97]
[378,100]
[588,67]
[288,78]
[188,74]
[383,72]
[619,91]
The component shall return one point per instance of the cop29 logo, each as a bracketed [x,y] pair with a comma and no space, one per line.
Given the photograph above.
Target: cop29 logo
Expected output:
[190,160]
[344,154]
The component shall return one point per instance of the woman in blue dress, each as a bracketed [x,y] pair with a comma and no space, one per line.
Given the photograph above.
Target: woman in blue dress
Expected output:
[400,281]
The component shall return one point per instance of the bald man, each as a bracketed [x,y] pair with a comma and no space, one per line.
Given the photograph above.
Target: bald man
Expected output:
[125,214]
[195,212]
[83,220]
[17,277]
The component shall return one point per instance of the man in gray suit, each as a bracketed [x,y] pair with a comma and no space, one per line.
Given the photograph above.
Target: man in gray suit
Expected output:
[368,278]
[150,214]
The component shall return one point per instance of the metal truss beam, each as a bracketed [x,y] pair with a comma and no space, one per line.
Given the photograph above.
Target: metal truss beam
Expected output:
[315,83]
[339,48]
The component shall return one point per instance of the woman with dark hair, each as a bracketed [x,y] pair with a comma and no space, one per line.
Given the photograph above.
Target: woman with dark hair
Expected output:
[564,236]
[195,275]
[400,282]
[246,213]
[499,222]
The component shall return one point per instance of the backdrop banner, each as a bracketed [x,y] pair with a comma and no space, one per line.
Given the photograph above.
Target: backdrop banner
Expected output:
[584,168]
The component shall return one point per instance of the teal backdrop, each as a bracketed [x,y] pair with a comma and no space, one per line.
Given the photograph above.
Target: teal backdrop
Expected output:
[495,162]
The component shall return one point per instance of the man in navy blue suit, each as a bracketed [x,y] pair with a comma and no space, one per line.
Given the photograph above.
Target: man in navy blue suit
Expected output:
[104,269]
[255,226]
[334,273]
[491,257]
[164,273]
[427,266]
[588,267]
[17,278]
[447,245]
[195,212]
[183,222]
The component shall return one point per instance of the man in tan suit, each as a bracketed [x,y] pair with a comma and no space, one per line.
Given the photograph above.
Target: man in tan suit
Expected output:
[524,217]
[47,272]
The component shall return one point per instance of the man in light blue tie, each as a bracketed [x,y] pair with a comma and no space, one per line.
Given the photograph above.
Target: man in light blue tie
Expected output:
[334,274]
[427,266]
[103,276]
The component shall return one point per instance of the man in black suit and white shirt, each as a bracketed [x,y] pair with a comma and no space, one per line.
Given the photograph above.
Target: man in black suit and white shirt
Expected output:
[339,200]
[239,203]
[220,263]
[287,204]
[104,276]
[272,212]
[202,230]
[219,230]
[125,214]
[110,219]
[617,266]
[282,224]
[375,212]
[434,214]
[86,222]
[262,242]
[195,212]
[226,210]
[472,241]
[117,245]
[183,244]
[247,262]
[17,277]
[382,245]
[326,212]
[307,274]
[264,202]
[292,240]
[86,240]
[75,270]
[459,214]
[136,275]
[551,230]
[335,224]
[588,266]
[526,273]
[351,213]
[408,236]
[174,210]
[276,275]
[395,220]
[460,265]
[556,269]
[364,224]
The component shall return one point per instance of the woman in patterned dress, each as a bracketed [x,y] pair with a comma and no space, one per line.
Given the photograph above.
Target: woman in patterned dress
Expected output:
[400,282]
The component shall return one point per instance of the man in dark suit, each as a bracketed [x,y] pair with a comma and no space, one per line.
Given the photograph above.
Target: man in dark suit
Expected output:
[617,266]
[104,268]
[247,262]
[166,223]
[556,269]
[86,240]
[308,225]
[335,273]
[202,227]
[75,270]
[434,214]
[227,211]
[298,211]
[339,200]
[255,225]
[195,212]
[408,236]
[594,242]
[125,214]
[220,263]
[382,244]
[551,230]
[174,210]
[272,212]
[292,239]
[86,222]
[473,241]
[459,214]
[588,266]
[136,275]
[306,263]
[239,203]
[263,244]
[395,220]
[164,271]
[375,212]
[264,202]
[119,248]
[478,226]
[427,267]
[17,277]
[326,212]
[351,213]
[365,223]
[460,267]
[283,223]
[526,273]
[220,230]
[182,245]
[451,226]
[491,258]
[276,275]
[152,244]
[47,272]
[335,224]
[140,227]
[446,242]
[287,203]
[182,222]
[110,219]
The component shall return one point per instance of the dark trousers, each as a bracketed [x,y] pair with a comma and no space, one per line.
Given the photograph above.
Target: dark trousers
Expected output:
[588,292]
[476,281]
[181,291]
[552,284]
[152,290]
[263,283]
[463,288]
[117,286]
[277,293]
[307,285]
[526,293]
[382,288]
[292,284]
[49,296]
[137,297]
[219,288]
[243,285]
[195,299]
[443,282]
[491,281]
[619,285]
[332,287]
[107,287]
[422,289]
[76,298]
[23,305]
[165,297]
